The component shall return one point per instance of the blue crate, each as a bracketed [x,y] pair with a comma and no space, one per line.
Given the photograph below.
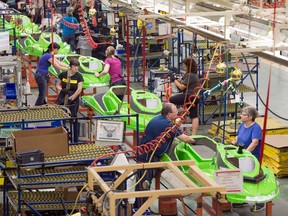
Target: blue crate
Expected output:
[147,212]
[10,91]
[106,176]
[120,51]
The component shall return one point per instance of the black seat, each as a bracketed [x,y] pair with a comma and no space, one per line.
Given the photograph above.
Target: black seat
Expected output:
[21,41]
[36,36]
[98,98]
[206,142]
[72,57]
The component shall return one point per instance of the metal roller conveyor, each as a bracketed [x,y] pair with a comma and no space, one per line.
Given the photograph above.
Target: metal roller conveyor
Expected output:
[35,113]
[48,200]
[12,211]
[80,152]
[50,178]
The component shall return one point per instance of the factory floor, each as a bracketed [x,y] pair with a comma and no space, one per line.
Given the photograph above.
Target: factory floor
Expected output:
[278,104]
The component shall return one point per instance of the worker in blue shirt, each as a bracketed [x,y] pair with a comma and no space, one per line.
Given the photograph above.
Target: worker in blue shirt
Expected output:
[69,24]
[154,129]
[42,73]
[249,133]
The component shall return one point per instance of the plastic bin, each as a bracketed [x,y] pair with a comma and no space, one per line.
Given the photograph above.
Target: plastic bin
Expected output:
[10,91]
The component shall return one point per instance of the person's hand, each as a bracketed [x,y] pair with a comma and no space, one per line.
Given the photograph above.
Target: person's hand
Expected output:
[71,98]
[193,141]
[173,77]
[97,74]
[64,91]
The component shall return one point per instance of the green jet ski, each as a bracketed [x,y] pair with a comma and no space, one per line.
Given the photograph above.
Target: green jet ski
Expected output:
[37,44]
[211,156]
[88,67]
[22,25]
[146,104]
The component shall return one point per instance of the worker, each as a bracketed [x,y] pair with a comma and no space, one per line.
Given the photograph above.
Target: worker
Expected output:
[69,24]
[76,6]
[113,67]
[249,134]
[186,86]
[154,129]
[70,83]
[42,74]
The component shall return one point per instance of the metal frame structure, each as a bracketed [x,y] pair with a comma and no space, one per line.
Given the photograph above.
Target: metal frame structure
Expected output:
[220,31]
[246,74]
[206,184]
[19,183]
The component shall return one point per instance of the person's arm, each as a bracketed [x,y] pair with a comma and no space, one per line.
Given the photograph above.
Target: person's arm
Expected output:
[235,141]
[18,4]
[253,145]
[58,64]
[187,139]
[77,92]
[180,85]
[58,85]
[105,71]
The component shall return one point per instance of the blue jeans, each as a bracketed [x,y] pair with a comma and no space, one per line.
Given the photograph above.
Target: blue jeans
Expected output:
[70,39]
[41,80]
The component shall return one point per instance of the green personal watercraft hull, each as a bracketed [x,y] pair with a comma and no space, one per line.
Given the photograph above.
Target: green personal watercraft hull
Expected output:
[211,156]
[37,44]
[146,104]
[22,25]
[88,67]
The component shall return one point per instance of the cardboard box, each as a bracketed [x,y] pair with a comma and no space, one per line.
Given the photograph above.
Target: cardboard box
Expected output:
[70,193]
[52,141]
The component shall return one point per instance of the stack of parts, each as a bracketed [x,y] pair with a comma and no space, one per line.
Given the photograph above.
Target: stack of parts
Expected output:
[276,154]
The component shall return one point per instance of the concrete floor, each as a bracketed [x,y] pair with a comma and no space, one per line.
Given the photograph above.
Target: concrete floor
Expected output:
[278,104]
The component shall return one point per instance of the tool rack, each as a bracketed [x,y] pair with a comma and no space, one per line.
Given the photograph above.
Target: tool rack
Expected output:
[225,106]
[61,171]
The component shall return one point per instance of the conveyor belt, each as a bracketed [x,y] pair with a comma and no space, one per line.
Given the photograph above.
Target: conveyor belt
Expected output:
[30,114]
[82,152]
[48,200]
[12,211]
[52,177]
[78,152]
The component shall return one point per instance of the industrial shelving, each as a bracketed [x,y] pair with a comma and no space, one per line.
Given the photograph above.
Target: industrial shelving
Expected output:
[32,186]
[153,49]
[10,76]
[55,172]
